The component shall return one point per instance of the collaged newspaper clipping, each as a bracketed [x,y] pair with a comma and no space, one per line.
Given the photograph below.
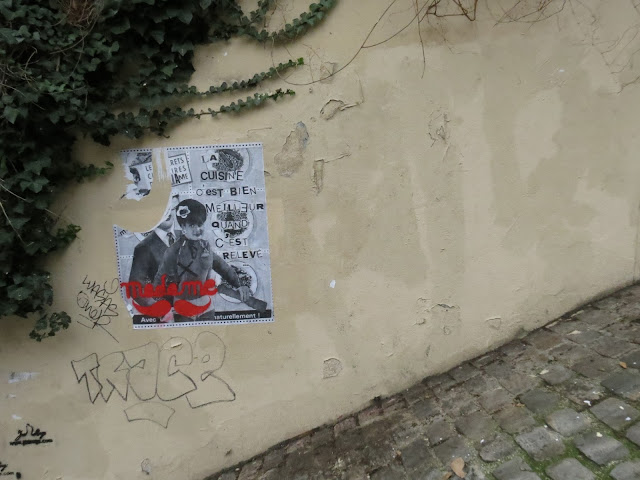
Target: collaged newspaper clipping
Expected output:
[207,261]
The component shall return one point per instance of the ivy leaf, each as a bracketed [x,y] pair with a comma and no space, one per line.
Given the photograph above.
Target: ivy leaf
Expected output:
[10,113]
[18,222]
[185,16]
[157,35]
[182,48]
[37,165]
[19,293]
[122,27]
[37,184]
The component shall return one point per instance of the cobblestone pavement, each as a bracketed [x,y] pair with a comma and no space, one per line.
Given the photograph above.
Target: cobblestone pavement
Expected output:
[562,403]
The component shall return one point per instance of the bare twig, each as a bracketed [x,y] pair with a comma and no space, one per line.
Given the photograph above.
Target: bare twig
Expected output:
[429,8]
[11,223]
[424,58]
[24,199]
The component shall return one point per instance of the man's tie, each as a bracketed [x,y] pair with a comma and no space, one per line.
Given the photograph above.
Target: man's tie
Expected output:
[171,238]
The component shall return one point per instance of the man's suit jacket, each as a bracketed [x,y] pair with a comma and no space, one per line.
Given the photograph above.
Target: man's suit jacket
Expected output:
[147,257]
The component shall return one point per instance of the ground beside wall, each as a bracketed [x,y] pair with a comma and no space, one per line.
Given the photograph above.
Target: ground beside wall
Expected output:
[561,403]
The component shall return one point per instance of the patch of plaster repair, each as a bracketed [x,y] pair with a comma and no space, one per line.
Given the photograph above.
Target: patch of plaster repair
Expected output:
[318,175]
[318,171]
[327,71]
[333,106]
[15,377]
[332,368]
[444,314]
[422,310]
[494,322]
[290,158]
[145,466]
[438,127]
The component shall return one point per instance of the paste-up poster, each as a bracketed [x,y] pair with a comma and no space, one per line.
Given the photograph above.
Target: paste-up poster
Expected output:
[207,260]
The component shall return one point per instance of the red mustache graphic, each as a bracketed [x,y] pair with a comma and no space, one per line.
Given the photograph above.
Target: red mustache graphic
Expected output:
[188,309]
[160,308]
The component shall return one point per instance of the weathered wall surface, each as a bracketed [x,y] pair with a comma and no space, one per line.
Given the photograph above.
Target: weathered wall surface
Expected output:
[453,201]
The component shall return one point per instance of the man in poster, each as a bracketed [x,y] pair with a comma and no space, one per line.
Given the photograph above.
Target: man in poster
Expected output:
[148,254]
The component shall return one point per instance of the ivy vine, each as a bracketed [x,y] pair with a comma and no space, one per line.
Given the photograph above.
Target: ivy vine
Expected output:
[66,68]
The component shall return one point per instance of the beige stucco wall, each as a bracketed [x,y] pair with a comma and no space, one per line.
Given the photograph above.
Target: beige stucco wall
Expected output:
[454,204]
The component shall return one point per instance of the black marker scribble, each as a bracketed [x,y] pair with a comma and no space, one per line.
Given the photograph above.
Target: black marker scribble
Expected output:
[176,369]
[30,436]
[4,473]
[97,304]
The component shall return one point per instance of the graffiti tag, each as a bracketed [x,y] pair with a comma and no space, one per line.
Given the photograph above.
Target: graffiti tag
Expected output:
[97,305]
[164,373]
[30,436]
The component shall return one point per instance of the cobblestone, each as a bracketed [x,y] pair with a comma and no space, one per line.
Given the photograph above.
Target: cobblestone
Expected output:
[568,354]
[570,468]
[612,347]
[418,457]
[596,317]
[464,372]
[595,367]
[632,359]
[497,449]
[439,431]
[490,410]
[627,471]
[541,443]
[513,381]
[568,422]
[425,409]
[480,384]
[443,380]
[516,469]
[452,449]
[555,374]
[369,415]
[495,400]
[544,339]
[477,426]
[390,472]
[615,413]
[250,470]
[601,448]
[584,338]
[273,459]
[228,476]
[582,391]
[417,393]
[626,384]
[633,434]
[405,428]
[540,401]
[515,419]
[458,401]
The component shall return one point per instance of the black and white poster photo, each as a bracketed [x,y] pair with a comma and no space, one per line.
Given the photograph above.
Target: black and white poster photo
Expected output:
[207,259]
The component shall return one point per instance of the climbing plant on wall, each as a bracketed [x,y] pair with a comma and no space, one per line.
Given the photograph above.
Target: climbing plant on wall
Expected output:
[99,68]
